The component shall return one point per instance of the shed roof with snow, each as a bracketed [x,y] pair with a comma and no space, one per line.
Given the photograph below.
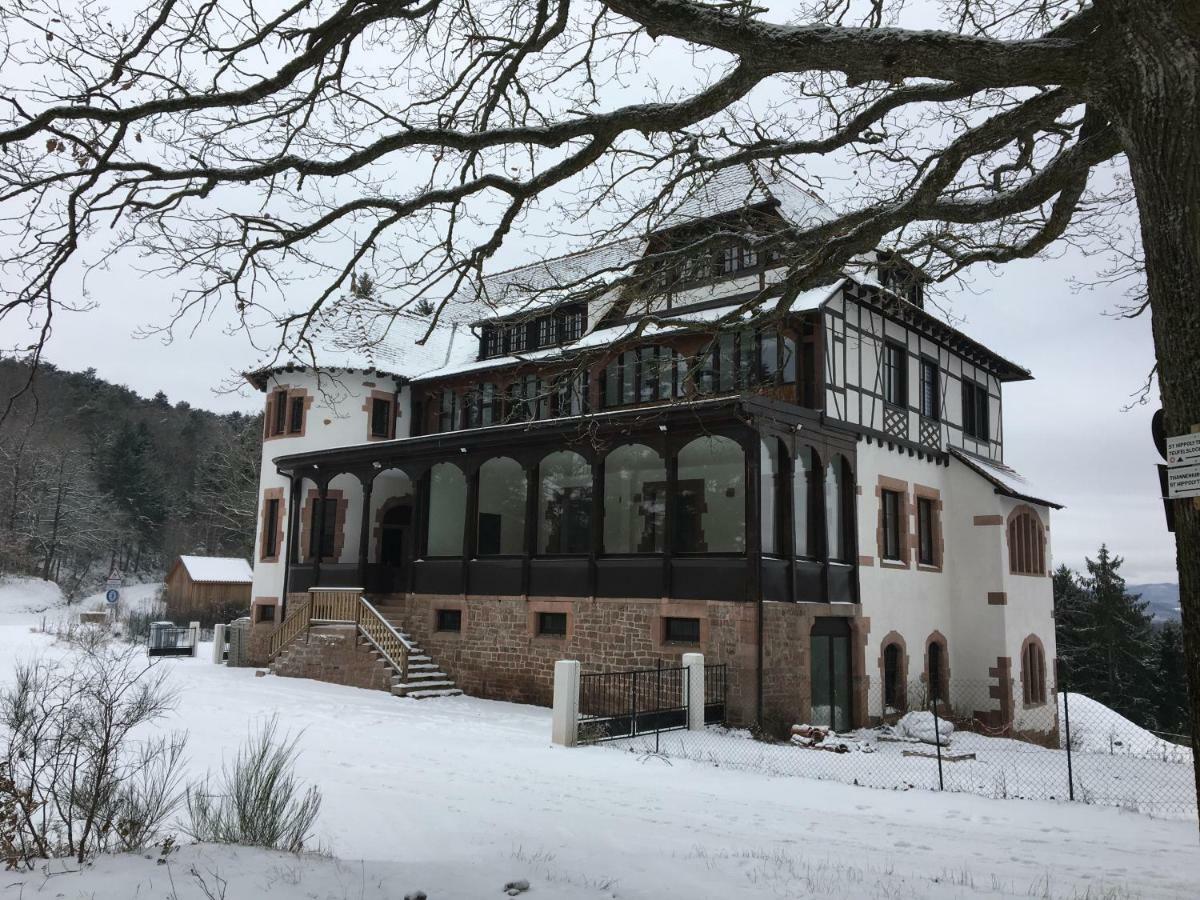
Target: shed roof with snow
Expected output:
[217,569]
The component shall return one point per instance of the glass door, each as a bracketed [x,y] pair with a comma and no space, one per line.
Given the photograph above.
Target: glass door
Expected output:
[830,674]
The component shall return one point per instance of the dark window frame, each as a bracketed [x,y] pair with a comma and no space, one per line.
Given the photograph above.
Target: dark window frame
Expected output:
[328,536]
[895,374]
[892,535]
[270,549]
[448,621]
[280,413]
[681,630]
[295,424]
[926,531]
[976,410]
[930,389]
[551,624]
[381,406]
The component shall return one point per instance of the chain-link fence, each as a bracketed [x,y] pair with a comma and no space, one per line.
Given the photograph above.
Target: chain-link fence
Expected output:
[1061,746]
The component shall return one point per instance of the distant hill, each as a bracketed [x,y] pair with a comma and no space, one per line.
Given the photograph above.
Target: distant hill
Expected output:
[1163,598]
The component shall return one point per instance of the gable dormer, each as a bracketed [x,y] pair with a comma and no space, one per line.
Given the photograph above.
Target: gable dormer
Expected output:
[530,330]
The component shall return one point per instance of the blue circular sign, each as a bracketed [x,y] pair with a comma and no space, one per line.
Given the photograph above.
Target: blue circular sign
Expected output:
[112,596]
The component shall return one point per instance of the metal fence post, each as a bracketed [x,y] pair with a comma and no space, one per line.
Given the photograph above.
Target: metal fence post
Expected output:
[937,731]
[565,719]
[1066,695]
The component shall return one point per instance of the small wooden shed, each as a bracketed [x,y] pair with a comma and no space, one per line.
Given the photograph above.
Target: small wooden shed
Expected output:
[208,588]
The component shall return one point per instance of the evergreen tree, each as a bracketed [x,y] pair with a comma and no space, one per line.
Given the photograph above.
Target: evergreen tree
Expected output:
[1172,711]
[1071,610]
[1114,660]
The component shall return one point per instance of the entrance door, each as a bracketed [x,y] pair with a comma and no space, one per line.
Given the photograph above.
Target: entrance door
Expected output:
[394,536]
[830,674]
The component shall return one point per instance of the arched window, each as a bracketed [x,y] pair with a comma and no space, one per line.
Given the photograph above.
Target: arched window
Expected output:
[806,524]
[710,505]
[1026,543]
[635,500]
[1033,672]
[771,495]
[936,670]
[501,527]
[447,510]
[565,503]
[839,509]
[893,683]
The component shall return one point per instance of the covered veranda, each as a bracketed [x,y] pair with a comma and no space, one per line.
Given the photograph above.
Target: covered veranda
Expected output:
[741,499]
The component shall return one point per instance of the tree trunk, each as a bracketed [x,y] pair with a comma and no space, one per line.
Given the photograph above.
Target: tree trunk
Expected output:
[1154,102]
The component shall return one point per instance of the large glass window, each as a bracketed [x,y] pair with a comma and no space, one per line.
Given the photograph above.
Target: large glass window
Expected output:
[447,510]
[635,489]
[771,497]
[564,504]
[501,508]
[710,505]
[805,527]
[838,510]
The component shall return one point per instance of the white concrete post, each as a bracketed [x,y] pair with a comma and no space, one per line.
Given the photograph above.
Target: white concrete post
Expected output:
[693,690]
[565,728]
[195,628]
[218,643]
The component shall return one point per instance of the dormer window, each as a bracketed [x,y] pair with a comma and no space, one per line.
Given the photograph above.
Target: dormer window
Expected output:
[738,259]
[515,336]
[547,331]
[572,325]
[492,345]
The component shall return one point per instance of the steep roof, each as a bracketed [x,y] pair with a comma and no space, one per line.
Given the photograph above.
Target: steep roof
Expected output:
[217,569]
[1006,480]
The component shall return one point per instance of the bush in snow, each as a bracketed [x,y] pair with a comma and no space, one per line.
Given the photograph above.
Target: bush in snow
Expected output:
[257,801]
[919,725]
[73,782]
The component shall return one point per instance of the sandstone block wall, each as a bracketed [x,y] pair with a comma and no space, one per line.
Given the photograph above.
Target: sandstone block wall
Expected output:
[333,653]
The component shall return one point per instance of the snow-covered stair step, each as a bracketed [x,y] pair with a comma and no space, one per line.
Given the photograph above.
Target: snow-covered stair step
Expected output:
[441,683]
[429,695]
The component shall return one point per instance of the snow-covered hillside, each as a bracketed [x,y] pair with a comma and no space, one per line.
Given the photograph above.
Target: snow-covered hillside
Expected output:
[456,797]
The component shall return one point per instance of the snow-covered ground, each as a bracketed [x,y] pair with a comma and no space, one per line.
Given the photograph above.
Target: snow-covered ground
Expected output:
[458,796]
[1158,781]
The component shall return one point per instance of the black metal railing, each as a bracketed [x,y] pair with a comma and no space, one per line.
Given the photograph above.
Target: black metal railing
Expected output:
[715,683]
[615,705]
[171,641]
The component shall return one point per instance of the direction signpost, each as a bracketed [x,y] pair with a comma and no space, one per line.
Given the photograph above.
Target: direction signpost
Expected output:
[1183,466]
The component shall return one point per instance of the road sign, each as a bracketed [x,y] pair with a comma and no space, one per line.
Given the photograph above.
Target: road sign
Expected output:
[112,596]
[1183,481]
[1183,450]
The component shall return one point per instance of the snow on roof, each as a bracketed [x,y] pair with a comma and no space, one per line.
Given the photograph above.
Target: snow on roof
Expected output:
[1007,480]
[218,569]
[741,186]
[603,337]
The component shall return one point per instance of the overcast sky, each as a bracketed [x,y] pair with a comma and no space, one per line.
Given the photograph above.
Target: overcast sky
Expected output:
[1066,431]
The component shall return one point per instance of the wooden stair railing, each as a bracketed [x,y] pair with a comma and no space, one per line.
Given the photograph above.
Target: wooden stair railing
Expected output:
[348,607]
[384,637]
[298,618]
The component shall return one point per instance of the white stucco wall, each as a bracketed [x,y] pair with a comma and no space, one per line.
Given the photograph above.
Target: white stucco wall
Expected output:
[915,602]
[335,417]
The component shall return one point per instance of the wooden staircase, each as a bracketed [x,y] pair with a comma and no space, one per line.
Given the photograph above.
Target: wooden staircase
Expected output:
[413,673]
[425,680]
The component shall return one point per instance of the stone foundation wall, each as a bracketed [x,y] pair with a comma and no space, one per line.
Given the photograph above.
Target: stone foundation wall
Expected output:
[333,653]
[499,654]
[258,643]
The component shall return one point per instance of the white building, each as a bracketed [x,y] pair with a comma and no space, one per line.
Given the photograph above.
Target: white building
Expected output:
[813,493]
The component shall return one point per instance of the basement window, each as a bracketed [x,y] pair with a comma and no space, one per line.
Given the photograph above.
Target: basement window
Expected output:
[449,620]
[681,631]
[266,612]
[553,624]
